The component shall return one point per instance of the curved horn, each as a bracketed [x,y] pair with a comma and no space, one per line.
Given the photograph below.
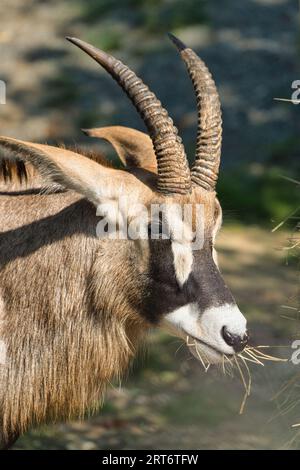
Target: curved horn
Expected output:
[209,135]
[173,170]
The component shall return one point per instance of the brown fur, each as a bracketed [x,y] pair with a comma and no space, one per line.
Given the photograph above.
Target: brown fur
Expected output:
[74,331]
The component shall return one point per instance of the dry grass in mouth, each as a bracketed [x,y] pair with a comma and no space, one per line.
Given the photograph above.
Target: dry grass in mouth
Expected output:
[240,363]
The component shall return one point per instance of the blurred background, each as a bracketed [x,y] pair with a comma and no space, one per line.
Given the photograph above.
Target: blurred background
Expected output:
[252,47]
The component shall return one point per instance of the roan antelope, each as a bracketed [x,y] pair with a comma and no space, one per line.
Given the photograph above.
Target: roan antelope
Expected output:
[73,305]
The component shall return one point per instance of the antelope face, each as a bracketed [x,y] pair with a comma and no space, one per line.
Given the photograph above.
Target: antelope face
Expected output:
[187,294]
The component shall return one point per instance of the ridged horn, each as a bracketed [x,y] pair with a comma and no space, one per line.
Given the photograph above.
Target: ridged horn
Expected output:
[173,170]
[209,135]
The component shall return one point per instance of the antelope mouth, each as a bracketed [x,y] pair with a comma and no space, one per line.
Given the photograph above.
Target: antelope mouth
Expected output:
[204,351]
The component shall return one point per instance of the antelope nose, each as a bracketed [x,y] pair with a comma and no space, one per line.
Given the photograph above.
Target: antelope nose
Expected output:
[237,342]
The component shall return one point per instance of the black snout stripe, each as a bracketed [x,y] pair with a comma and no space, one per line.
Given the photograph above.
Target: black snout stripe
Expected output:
[205,285]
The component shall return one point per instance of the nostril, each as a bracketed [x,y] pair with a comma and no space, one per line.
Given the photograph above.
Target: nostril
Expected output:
[228,337]
[237,342]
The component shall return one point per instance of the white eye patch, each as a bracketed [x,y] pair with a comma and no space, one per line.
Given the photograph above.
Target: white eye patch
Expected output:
[181,236]
[183,261]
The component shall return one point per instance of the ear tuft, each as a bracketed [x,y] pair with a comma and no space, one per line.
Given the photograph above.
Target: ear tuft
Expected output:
[13,170]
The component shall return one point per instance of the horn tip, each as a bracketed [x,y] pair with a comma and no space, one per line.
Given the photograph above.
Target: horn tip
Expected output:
[77,42]
[179,44]
[71,39]
[98,55]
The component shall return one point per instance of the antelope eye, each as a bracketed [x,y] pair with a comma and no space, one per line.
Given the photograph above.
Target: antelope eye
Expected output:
[158,231]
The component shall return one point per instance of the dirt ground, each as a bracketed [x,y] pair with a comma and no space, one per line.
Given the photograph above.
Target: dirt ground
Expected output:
[170,403]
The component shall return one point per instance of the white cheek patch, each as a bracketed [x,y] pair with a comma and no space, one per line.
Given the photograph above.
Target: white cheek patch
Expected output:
[183,261]
[184,320]
[207,327]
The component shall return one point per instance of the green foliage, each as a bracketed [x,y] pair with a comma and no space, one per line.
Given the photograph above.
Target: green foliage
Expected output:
[93,10]
[154,15]
[258,196]
[107,38]
[170,15]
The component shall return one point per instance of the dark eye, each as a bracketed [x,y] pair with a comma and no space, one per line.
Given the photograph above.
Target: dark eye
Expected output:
[157,231]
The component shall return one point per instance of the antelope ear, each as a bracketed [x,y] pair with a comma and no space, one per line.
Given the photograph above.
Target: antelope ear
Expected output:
[134,148]
[71,170]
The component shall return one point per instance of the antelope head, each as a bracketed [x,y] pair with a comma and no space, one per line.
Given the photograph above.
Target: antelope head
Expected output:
[175,272]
